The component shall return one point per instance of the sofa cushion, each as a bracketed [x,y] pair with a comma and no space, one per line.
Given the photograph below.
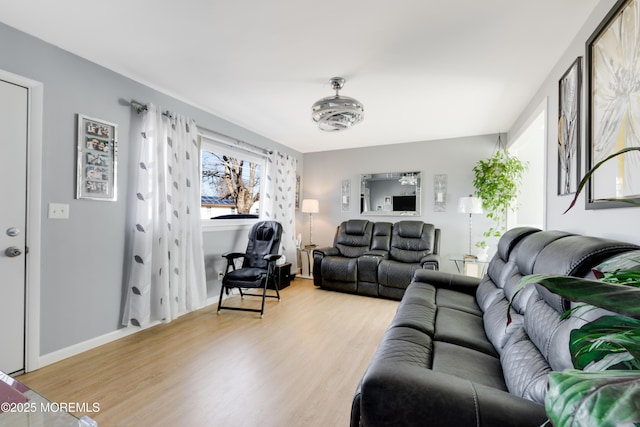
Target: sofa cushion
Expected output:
[510,239]
[525,369]
[457,301]
[356,227]
[339,268]
[576,255]
[411,241]
[468,364]
[353,237]
[381,236]
[495,323]
[396,274]
[417,309]
[463,329]
[407,346]
[549,331]
[487,292]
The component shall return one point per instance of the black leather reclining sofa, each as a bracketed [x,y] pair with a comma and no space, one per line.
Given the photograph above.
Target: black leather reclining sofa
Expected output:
[376,259]
[449,359]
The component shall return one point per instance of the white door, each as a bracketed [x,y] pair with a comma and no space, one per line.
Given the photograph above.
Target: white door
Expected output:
[13,199]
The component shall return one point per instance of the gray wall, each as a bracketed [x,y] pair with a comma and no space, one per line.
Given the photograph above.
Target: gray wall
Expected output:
[82,258]
[612,223]
[324,172]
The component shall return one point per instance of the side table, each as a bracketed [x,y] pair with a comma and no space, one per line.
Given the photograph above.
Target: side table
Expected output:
[305,261]
[470,266]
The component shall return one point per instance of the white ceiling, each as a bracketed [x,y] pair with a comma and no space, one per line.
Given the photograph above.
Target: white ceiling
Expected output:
[424,69]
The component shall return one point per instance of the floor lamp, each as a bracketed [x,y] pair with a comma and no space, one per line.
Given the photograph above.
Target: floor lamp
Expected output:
[310,206]
[470,205]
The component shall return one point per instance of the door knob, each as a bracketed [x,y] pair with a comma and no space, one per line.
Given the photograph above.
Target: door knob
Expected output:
[12,251]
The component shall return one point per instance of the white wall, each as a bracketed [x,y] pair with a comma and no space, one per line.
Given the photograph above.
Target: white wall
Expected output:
[619,223]
[324,172]
[530,147]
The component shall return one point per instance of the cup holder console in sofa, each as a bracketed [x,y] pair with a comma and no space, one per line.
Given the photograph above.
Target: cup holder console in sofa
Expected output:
[376,259]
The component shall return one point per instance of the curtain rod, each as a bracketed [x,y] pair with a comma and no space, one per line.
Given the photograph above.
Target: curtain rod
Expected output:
[207,133]
[143,108]
[233,142]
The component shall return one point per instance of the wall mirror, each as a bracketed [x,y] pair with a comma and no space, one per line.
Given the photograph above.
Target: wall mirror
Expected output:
[394,193]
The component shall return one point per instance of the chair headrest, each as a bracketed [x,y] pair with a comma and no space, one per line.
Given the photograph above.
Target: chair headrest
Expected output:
[264,232]
[356,226]
[410,229]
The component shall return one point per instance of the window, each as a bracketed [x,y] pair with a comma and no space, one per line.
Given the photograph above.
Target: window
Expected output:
[231,182]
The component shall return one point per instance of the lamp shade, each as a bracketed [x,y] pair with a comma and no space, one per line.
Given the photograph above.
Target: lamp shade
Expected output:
[310,206]
[470,205]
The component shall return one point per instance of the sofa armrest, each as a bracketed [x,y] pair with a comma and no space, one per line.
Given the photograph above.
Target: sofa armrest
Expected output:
[329,251]
[431,262]
[318,256]
[396,394]
[455,282]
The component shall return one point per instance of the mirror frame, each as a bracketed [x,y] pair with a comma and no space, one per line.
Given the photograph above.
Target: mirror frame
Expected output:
[385,207]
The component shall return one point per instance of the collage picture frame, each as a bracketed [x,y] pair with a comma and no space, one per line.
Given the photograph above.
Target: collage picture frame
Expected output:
[97,159]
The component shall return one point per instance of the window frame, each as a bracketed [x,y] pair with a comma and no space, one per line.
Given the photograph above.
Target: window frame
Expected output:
[215,145]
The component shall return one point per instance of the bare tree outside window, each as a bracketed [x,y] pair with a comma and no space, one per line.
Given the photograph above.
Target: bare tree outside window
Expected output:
[231,179]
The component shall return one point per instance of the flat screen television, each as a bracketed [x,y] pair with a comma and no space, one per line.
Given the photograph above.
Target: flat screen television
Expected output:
[404,203]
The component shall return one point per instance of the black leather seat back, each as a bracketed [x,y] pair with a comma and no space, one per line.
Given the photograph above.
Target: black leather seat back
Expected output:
[353,237]
[381,239]
[411,241]
[264,239]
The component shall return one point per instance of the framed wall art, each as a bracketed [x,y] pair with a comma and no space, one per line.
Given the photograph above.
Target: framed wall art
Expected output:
[440,193]
[97,159]
[613,116]
[569,88]
[345,194]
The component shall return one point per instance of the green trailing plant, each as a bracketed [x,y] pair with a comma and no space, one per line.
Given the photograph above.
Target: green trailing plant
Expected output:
[497,182]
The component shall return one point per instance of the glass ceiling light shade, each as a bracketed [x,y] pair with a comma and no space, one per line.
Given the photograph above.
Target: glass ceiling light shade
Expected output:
[337,113]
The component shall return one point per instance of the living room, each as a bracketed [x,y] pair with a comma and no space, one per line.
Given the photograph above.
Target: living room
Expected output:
[80,299]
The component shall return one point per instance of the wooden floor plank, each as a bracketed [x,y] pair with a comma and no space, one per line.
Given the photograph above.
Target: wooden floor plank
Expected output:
[298,366]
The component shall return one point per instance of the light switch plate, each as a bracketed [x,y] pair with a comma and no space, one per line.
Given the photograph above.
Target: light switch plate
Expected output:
[58,211]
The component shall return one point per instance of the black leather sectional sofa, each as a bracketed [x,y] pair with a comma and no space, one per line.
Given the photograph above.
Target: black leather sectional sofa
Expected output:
[376,259]
[449,359]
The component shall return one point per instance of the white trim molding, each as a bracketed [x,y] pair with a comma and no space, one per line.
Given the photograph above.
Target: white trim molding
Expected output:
[34,204]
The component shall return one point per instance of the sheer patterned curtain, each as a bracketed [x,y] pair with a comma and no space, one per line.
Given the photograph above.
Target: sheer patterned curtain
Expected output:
[166,266]
[279,201]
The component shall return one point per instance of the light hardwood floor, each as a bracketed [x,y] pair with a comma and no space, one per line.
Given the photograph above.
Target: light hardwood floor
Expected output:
[298,366]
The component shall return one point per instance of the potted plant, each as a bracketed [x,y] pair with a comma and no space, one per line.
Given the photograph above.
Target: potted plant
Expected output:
[497,182]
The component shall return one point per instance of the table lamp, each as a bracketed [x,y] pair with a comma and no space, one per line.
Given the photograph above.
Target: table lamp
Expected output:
[470,205]
[310,206]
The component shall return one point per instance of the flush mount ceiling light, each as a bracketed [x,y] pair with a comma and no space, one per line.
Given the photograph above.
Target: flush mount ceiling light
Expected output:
[336,113]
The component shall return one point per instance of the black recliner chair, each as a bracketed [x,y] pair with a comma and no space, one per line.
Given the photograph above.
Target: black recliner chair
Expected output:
[258,266]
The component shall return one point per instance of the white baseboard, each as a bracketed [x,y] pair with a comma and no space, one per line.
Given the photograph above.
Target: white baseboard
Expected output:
[72,350]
